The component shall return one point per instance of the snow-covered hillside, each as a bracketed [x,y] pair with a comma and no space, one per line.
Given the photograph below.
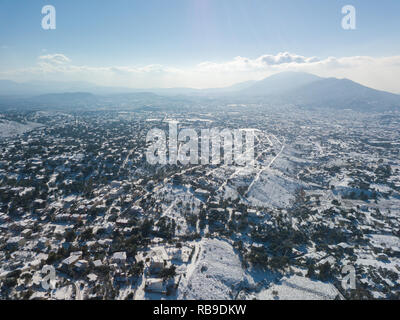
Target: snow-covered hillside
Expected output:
[12,128]
[299,288]
[216,273]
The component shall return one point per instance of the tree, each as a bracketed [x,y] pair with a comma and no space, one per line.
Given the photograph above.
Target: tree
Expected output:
[324,271]
[168,273]
[137,269]
[311,271]
[70,236]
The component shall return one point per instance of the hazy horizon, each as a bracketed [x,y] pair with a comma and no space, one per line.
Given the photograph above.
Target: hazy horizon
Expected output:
[198,44]
[120,89]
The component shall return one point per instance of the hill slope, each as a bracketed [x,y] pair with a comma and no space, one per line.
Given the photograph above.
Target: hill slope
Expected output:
[342,94]
[311,91]
[280,83]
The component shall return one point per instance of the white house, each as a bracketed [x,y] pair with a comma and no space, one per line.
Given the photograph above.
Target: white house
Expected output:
[70,260]
[156,264]
[155,285]
[81,265]
[97,263]
[119,257]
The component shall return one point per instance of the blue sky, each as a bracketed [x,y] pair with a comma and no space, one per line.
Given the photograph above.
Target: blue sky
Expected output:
[181,34]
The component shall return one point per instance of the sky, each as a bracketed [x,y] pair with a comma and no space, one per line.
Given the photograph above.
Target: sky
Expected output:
[199,43]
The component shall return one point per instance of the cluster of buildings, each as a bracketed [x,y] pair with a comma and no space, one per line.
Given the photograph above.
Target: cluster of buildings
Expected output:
[78,194]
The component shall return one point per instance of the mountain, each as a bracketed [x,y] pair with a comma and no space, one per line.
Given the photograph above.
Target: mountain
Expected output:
[73,100]
[342,94]
[298,88]
[280,83]
[8,87]
[68,98]
[308,90]
[237,87]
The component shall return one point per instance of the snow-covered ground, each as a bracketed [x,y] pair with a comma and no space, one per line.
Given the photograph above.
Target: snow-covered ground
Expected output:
[216,273]
[174,201]
[385,241]
[299,288]
[273,189]
[12,128]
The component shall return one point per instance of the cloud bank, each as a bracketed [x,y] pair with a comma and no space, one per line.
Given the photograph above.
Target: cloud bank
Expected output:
[377,72]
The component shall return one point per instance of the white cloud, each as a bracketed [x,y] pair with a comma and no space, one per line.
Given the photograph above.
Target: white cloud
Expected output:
[261,63]
[380,73]
[54,59]
[285,57]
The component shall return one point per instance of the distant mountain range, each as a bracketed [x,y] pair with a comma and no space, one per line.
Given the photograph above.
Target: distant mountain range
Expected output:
[298,88]
[305,89]
[342,94]
[280,83]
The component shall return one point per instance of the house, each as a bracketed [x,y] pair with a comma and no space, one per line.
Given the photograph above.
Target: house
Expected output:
[202,192]
[160,252]
[92,277]
[97,263]
[115,193]
[67,262]
[121,276]
[156,264]
[15,242]
[252,213]
[122,222]
[181,255]
[155,286]
[119,257]
[26,233]
[81,265]
[72,259]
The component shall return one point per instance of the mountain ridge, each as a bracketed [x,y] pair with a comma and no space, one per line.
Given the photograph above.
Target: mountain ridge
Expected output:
[298,88]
